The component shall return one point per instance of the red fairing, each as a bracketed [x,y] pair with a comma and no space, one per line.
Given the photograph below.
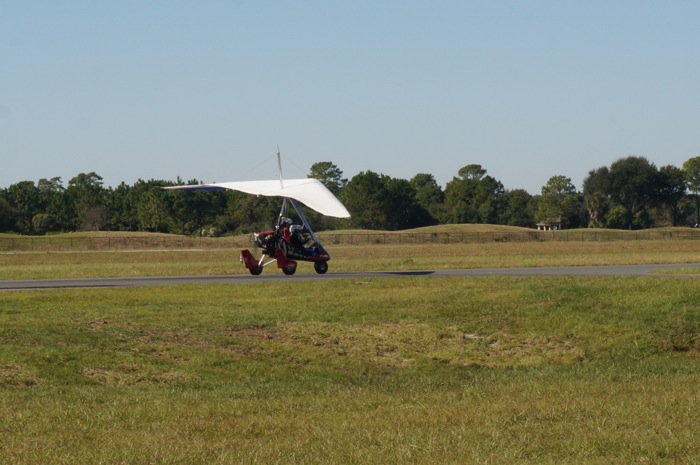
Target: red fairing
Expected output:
[248,260]
[284,262]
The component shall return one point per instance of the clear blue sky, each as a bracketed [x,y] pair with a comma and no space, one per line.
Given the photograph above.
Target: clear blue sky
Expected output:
[209,89]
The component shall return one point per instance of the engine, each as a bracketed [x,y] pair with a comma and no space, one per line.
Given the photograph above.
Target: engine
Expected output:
[266,240]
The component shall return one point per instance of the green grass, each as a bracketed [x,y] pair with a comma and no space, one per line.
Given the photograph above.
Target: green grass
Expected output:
[79,264]
[442,234]
[390,370]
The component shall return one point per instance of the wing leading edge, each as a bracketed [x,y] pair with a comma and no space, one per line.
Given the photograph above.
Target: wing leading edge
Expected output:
[311,192]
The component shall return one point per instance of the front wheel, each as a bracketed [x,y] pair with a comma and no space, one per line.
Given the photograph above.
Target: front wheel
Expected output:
[289,271]
[321,267]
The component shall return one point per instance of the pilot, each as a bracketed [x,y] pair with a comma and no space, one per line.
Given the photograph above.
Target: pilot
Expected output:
[295,233]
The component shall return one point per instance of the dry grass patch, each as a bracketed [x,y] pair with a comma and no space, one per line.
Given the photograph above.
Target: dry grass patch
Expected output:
[404,344]
[130,375]
[14,376]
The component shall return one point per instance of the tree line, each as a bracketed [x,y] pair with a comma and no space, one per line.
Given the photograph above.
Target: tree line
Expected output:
[631,193]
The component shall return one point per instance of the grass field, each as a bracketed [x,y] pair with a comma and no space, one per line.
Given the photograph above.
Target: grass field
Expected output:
[389,370]
[346,257]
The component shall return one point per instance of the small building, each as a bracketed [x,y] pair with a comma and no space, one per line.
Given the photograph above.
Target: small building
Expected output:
[550,225]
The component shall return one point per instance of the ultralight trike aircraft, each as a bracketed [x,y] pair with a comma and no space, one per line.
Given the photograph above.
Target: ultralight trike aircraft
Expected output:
[287,243]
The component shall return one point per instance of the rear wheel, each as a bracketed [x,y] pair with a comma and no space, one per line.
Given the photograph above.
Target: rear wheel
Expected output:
[255,271]
[321,267]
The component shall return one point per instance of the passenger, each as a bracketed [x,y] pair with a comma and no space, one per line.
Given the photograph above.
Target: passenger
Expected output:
[284,226]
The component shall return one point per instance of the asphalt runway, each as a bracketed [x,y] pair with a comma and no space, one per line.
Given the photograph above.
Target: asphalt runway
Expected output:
[275,275]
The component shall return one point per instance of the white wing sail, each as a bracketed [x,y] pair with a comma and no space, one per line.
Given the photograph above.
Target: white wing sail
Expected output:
[309,191]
